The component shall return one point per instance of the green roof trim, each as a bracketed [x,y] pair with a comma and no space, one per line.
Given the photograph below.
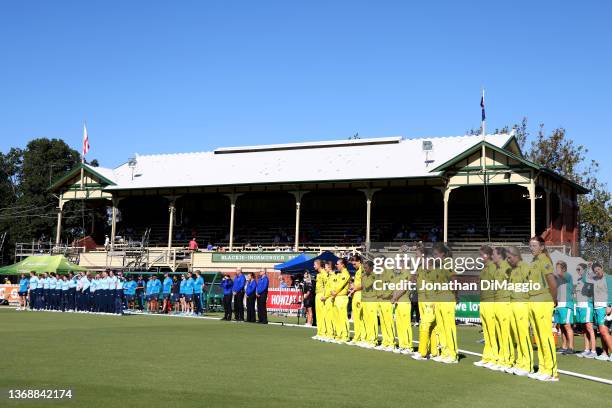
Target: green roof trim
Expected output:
[520,159]
[62,179]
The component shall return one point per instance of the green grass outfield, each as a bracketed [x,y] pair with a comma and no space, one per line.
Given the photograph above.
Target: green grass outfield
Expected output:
[155,361]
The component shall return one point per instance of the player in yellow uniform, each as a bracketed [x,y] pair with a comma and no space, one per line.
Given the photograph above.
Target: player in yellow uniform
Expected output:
[444,309]
[369,305]
[403,312]
[328,304]
[339,292]
[541,308]
[487,309]
[519,321]
[357,310]
[428,332]
[321,280]
[385,312]
[503,314]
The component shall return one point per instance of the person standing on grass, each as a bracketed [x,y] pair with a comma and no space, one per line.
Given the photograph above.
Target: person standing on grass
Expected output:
[176,295]
[33,291]
[44,303]
[85,287]
[308,302]
[166,293]
[261,292]
[112,292]
[157,287]
[584,311]
[602,309]
[198,287]
[227,285]
[541,307]
[65,287]
[93,296]
[23,292]
[564,312]
[189,294]
[52,292]
[72,284]
[251,287]
[140,292]
[129,292]
[148,291]
[182,293]
[238,292]
[104,289]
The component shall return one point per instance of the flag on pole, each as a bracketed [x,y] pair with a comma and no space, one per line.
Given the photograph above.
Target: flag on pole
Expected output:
[85,141]
[482,105]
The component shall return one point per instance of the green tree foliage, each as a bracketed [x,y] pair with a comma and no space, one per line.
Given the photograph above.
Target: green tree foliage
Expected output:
[556,151]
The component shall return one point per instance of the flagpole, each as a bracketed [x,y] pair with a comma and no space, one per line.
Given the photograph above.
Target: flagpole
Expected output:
[483,130]
[83,154]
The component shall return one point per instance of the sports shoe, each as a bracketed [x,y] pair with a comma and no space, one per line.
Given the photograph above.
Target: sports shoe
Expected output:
[519,372]
[533,376]
[488,365]
[406,351]
[388,348]
[509,370]
[448,360]
[479,363]
[380,347]
[602,357]
[590,354]
[351,343]
[548,378]
[315,337]
[561,350]
[418,356]
[437,359]
[568,352]
[396,350]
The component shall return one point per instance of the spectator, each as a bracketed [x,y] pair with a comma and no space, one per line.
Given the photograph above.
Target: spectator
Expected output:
[193,244]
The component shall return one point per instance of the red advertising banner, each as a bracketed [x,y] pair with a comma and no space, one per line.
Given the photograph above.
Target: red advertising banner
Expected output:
[284,299]
[10,293]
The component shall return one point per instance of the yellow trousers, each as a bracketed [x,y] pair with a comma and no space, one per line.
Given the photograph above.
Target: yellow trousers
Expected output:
[447,329]
[428,332]
[358,322]
[320,311]
[341,325]
[487,318]
[503,316]
[540,317]
[328,312]
[519,324]
[370,322]
[403,325]
[387,329]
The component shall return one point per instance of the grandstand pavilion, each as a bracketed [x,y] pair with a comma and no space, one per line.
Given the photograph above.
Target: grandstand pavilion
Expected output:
[331,194]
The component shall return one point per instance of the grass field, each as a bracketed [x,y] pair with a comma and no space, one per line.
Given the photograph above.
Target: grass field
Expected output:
[154,361]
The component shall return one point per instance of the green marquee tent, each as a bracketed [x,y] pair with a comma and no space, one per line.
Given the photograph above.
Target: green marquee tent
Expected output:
[41,263]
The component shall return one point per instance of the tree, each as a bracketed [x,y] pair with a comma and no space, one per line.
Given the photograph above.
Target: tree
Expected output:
[558,152]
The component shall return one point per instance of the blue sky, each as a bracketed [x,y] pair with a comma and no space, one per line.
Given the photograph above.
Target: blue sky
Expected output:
[161,77]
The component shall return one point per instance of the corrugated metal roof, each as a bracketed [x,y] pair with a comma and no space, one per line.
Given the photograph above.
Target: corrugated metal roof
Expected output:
[357,159]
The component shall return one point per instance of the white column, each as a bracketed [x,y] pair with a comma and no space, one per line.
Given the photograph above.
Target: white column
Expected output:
[298,201]
[532,207]
[115,209]
[446,192]
[171,210]
[58,231]
[369,193]
[233,198]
